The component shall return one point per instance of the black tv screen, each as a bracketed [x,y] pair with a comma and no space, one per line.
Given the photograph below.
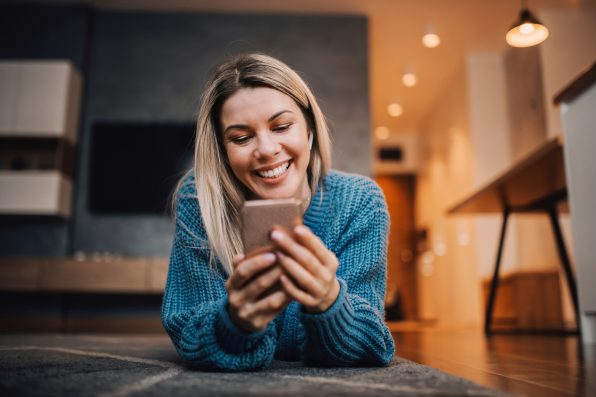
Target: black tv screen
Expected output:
[135,166]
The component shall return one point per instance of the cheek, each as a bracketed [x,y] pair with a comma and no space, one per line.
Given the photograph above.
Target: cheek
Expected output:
[300,147]
[299,143]
[238,160]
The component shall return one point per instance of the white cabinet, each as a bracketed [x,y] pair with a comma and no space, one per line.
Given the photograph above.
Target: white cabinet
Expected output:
[35,193]
[39,99]
[580,166]
[39,110]
[9,85]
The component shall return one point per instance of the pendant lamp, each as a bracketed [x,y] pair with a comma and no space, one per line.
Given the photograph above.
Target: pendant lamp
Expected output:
[527,31]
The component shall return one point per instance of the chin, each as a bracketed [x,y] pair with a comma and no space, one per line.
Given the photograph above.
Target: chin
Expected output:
[287,189]
[276,194]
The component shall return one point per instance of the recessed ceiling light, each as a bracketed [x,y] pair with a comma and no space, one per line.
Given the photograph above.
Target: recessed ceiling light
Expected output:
[409,79]
[382,132]
[395,109]
[431,39]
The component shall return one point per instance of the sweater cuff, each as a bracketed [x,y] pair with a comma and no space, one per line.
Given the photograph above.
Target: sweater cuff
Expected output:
[233,338]
[339,313]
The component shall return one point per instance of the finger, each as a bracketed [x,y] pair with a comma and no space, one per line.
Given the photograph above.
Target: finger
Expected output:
[302,278]
[292,248]
[260,284]
[248,268]
[296,293]
[314,244]
[272,304]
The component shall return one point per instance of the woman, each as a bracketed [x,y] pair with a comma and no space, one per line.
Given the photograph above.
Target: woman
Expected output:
[261,135]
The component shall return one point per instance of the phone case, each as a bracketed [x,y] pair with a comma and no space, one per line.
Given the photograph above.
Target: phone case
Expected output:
[259,217]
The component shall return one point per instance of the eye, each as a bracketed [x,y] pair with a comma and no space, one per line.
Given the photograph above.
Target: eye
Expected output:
[282,127]
[240,139]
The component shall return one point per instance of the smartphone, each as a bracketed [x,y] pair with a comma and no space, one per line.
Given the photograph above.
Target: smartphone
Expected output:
[259,217]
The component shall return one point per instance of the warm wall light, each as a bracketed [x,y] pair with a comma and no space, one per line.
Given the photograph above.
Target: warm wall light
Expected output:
[409,79]
[439,246]
[463,234]
[430,39]
[382,132]
[527,31]
[395,109]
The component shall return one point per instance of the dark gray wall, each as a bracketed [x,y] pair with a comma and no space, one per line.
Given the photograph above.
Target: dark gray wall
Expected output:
[151,67]
[146,67]
[28,32]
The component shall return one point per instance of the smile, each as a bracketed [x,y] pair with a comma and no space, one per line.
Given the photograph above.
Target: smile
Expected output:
[274,173]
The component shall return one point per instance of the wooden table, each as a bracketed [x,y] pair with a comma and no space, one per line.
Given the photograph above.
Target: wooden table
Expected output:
[536,183]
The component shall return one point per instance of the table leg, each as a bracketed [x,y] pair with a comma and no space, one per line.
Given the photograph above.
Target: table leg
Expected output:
[495,281]
[554,220]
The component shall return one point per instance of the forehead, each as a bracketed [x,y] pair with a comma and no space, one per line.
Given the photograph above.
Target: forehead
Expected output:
[254,104]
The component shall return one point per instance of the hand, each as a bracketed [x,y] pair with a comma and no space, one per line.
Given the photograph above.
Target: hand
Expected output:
[311,268]
[249,305]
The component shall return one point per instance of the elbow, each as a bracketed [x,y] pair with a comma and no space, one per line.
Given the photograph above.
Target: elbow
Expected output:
[381,357]
[386,358]
[380,354]
[389,353]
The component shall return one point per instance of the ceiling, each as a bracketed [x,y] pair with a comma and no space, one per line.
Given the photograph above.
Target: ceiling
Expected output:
[395,31]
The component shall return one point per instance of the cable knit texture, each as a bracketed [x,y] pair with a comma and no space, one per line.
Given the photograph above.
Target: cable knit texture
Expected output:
[349,214]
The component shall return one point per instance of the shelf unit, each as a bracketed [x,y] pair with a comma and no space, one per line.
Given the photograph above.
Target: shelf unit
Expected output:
[134,275]
[39,110]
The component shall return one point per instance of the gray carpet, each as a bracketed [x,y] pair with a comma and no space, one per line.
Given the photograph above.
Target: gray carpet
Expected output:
[86,365]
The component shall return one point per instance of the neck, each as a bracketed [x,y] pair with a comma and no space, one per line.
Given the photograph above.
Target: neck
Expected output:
[304,196]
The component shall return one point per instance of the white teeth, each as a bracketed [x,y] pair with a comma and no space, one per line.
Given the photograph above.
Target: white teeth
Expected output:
[274,173]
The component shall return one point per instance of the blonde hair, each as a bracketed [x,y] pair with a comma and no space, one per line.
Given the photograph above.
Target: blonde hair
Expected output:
[219,193]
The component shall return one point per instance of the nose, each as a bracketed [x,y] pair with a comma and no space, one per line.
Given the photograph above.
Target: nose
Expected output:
[267,146]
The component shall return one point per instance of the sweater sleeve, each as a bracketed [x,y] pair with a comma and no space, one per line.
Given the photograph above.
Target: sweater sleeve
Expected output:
[194,308]
[353,331]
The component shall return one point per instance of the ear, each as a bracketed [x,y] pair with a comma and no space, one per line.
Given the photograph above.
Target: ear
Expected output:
[310,139]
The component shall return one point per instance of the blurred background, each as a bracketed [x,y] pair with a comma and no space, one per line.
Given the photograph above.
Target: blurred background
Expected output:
[98,104]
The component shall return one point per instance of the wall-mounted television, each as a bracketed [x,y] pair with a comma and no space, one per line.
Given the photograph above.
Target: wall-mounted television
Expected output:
[135,166]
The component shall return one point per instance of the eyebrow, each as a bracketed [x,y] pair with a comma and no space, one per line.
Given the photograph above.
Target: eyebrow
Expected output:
[245,127]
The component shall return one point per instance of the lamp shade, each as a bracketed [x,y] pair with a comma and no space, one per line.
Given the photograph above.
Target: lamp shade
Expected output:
[526,31]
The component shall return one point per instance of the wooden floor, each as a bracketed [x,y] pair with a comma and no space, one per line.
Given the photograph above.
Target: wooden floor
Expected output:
[522,365]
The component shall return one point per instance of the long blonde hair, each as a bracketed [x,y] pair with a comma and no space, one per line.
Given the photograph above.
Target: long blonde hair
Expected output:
[219,193]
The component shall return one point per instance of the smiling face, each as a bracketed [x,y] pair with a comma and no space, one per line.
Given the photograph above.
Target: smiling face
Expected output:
[265,137]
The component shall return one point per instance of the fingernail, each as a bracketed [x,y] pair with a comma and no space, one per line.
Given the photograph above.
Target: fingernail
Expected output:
[276,235]
[300,229]
[270,257]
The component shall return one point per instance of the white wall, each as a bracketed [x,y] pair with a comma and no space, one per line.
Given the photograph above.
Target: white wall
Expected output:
[489,131]
[570,48]
[449,287]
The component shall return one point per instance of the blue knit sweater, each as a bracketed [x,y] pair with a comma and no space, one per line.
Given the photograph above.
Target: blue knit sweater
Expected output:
[351,218]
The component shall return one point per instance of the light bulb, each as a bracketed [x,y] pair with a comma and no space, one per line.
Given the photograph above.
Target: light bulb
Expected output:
[526,28]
